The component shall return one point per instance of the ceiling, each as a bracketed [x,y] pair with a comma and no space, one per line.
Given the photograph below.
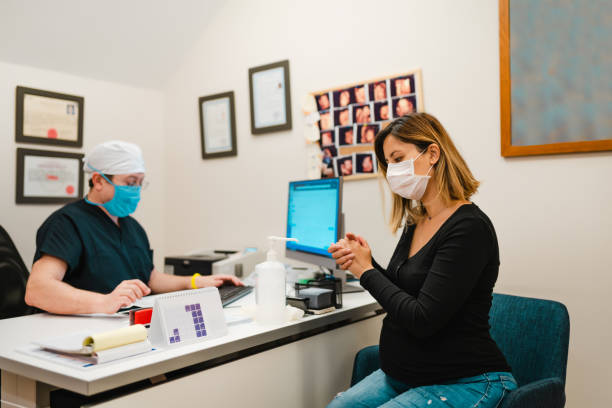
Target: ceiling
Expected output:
[138,42]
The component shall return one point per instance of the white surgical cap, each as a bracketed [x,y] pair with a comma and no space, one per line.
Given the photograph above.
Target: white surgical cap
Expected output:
[114,157]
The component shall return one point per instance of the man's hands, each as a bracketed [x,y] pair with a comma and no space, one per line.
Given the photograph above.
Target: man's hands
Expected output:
[126,293]
[216,280]
[129,291]
[352,253]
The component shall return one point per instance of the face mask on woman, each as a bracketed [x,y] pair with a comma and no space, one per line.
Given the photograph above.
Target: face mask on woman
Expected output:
[404,182]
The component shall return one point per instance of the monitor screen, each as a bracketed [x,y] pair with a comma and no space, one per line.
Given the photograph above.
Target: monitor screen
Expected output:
[313,215]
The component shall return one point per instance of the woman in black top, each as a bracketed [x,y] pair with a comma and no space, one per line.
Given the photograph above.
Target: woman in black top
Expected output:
[435,346]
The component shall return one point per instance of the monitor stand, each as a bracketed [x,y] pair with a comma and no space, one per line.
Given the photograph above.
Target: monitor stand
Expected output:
[347,287]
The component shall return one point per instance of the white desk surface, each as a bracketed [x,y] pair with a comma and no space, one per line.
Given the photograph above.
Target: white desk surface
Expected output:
[21,331]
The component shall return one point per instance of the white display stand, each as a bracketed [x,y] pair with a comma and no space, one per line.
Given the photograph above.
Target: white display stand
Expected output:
[186,317]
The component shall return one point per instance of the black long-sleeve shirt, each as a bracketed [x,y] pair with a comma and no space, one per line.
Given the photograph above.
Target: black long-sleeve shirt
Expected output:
[438,302]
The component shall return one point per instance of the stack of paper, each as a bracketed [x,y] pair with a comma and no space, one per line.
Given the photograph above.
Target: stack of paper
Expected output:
[101,347]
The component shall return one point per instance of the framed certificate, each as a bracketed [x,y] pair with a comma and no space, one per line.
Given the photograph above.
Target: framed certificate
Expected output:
[270,94]
[48,177]
[48,118]
[218,125]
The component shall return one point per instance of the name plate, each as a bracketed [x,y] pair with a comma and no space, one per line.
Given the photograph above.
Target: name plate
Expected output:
[187,317]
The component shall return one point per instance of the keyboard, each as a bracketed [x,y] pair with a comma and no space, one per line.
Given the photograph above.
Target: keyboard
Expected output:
[231,293]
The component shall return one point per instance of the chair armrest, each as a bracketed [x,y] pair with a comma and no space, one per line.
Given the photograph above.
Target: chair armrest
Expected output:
[549,393]
[366,362]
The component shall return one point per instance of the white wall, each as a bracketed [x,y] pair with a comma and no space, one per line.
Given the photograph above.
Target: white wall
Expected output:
[552,214]
[112,111]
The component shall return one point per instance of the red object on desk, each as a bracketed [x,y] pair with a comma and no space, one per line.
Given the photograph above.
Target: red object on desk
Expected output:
[141,316]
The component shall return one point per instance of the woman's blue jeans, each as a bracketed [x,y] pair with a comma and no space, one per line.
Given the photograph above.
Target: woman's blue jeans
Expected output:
[379,390]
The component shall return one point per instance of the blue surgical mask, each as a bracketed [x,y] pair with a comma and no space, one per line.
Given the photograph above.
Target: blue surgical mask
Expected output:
[124,202]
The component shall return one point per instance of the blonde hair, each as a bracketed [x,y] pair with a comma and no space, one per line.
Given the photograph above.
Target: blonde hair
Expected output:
[452,175]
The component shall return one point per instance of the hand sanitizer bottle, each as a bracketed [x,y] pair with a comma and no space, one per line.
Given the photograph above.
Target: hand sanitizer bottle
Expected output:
[270,286]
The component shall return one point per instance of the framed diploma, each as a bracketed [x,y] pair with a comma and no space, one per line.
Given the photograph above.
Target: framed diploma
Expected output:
[48,177]
[48,118]
[270,94]
[218,125]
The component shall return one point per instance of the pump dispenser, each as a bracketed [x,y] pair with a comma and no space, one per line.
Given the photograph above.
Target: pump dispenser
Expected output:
[270,286]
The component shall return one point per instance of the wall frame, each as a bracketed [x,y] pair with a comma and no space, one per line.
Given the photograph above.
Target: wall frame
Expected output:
[553,70]
[48,177]
[50,118]
[270,97]
[218,125]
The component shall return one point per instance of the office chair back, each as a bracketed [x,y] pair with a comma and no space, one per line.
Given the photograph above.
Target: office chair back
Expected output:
[13,278]
[533,334]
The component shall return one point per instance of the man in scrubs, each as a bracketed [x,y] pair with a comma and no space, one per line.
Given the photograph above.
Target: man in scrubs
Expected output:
[91,256]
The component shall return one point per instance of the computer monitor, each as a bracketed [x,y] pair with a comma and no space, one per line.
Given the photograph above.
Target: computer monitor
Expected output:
[314,217]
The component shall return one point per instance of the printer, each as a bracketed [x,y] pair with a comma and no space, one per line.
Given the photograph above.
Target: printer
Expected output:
[215,262]
[187,265]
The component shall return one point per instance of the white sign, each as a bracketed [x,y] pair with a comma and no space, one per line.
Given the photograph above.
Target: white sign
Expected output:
[186,317]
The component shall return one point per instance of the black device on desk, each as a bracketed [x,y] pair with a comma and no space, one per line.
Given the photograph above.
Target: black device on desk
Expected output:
[188,265]
[231,293]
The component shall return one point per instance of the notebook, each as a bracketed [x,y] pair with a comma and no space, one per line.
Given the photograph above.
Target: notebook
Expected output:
[102,347]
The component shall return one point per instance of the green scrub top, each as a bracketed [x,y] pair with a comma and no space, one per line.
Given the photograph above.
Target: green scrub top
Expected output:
[100,254]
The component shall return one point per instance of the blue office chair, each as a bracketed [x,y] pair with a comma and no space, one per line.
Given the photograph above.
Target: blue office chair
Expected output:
[533,334]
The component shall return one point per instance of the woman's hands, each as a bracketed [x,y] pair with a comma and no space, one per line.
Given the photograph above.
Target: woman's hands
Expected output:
[352,253]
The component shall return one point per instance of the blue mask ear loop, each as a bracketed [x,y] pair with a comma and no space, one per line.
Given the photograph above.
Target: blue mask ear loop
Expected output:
[105,178]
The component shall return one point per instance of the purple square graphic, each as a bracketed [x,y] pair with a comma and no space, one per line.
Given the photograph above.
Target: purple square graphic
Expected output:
[195,320]
[203,332]
[194,313]
[198,333]
[199,313]
[178,338]
[197,327]
[201,319]
[197,306]
[187,308]
[176,331]
[171,339]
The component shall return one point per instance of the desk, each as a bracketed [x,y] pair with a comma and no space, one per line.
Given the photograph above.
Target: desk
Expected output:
[301,363]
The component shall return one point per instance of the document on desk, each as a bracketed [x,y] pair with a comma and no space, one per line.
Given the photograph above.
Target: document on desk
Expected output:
[95,348]
[84,361]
